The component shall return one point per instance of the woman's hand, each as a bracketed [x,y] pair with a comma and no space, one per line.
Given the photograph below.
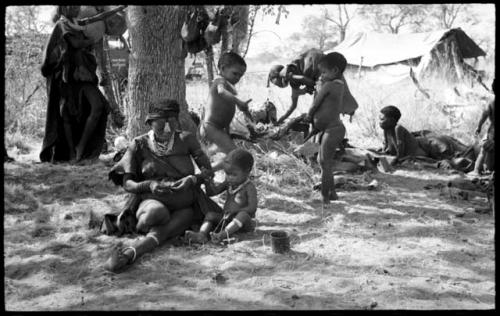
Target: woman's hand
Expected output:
[159,188]
[206,174]
[183,183]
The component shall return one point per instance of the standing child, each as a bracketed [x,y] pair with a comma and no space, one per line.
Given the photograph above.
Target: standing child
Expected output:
[222,104]
[241,200]
[325,116]
[486,153]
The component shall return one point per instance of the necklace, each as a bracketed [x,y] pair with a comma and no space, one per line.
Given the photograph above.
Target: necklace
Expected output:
[232,191]
[161,148]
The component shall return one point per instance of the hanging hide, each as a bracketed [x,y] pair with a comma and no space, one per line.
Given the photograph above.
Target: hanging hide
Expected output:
[116,25]
[96,30]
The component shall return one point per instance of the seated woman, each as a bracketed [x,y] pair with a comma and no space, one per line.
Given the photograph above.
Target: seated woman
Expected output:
[158,170]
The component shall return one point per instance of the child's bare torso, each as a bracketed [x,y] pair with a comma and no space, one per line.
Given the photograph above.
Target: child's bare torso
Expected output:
[328,113]
[401,134]
[220,112]
[237,200]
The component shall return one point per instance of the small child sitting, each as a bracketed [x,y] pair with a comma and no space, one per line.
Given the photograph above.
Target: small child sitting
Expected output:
[240,205]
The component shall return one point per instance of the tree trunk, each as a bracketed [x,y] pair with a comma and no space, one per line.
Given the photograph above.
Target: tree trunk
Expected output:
[250,32]
[342,35]
[240,29]
[156,63]
[224,42]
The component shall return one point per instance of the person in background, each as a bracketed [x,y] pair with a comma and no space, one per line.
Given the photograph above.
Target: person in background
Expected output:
[77,110]
[303,76]
[487,151]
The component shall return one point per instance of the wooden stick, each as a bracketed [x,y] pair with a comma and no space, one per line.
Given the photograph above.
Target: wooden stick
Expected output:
[101,16]
[417,84]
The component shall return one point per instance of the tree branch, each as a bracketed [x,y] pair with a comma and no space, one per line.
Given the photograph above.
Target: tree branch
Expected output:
[250,32]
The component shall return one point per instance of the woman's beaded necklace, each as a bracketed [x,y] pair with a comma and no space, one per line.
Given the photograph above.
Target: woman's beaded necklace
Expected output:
[160,148]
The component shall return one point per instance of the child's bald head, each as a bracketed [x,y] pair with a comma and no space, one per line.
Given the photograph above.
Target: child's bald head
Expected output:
[391,111]
[334,60]
[241,159]
[229,59]
[389,117]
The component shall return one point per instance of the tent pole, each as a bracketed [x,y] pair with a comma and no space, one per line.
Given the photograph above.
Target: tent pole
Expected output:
[359,68]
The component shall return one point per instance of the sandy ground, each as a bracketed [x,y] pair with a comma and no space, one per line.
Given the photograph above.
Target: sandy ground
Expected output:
[397,247]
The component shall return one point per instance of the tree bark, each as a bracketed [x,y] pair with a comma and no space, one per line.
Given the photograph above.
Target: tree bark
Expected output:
[251,23]
[342,35]
[240,29]
[156,68]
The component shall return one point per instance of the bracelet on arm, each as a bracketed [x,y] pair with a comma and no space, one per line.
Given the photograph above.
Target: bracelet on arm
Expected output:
[144,186]
[135,253]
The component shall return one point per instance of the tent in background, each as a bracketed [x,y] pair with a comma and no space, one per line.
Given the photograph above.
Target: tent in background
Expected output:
[393,58]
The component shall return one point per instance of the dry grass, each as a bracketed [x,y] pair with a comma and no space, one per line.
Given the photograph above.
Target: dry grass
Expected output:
[399,246]
[446,112]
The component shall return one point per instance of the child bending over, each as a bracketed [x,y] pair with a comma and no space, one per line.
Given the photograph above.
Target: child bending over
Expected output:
[241,200]
[325,116]
[398,141]
[222,104]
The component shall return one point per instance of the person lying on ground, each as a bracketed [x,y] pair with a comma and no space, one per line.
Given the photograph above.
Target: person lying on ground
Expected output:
[430,149]
[398,141]
[158,171]
[222,103]
[446,152]
[487,151]
[325,117]
[240,205]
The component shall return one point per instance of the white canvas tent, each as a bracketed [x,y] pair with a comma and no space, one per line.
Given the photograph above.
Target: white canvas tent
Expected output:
[387,58]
